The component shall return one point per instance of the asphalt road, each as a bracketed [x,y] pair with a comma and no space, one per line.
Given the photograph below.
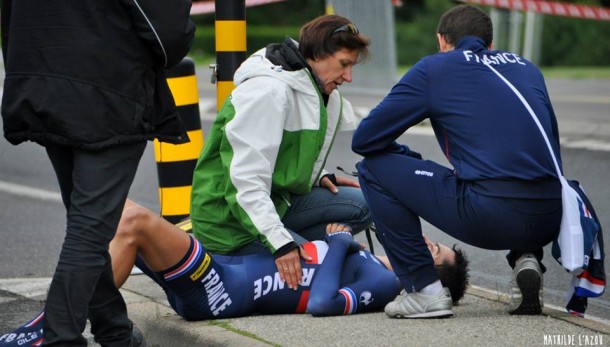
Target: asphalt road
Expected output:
[32,217]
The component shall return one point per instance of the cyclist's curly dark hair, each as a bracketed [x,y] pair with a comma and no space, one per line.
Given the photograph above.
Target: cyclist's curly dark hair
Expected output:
[454,275]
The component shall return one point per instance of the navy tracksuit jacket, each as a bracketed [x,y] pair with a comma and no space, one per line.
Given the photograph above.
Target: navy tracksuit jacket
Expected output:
[502,192]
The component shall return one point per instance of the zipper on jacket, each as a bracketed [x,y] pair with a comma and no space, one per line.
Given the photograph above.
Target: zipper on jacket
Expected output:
[332,141]
[285,200]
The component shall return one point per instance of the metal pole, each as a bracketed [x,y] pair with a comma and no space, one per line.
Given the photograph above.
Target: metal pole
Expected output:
[230,44]
[514,44]
[533,37]
[501,25]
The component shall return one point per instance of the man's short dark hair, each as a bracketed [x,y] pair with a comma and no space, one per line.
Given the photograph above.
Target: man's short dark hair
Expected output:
[465,20]
[454,275]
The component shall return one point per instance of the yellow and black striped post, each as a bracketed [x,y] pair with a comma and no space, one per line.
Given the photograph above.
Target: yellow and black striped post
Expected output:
[175,163]
[230,44]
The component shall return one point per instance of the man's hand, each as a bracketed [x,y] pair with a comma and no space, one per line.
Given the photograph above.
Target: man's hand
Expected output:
[289,267]
[341,181]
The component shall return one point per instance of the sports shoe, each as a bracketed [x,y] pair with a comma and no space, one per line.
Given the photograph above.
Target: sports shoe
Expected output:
[137,337]
[418,305]
[526,287]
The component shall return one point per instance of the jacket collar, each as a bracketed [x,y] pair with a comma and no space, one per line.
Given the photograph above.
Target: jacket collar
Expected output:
[288,56]
[472,43]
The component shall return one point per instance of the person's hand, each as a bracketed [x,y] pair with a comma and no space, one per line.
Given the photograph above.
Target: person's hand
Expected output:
[341,181]
[337,227]
[289,267]
[342,232]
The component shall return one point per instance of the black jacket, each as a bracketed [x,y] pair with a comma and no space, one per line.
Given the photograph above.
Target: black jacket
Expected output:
[89,73]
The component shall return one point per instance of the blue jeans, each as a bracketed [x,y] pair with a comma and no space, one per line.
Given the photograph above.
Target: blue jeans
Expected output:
[308,215]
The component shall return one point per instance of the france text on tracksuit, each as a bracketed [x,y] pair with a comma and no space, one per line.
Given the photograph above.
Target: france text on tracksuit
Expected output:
[339,280]
[502,192]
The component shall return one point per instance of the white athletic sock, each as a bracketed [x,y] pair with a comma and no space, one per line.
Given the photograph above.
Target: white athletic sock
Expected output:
[432,288]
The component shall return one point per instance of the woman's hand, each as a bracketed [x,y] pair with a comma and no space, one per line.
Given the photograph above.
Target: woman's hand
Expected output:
[289,267]
[341,181]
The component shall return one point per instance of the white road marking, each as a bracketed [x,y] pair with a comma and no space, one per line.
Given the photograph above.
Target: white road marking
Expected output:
[29,192]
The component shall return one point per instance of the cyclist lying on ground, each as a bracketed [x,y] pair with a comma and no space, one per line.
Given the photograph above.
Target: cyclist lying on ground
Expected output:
[342,277]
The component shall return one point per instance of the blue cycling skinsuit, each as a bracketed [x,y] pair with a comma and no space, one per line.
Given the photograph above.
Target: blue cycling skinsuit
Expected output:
[341,279]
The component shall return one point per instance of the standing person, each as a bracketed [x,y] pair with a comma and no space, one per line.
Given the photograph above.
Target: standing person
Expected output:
[259,182]
[85,80]
[502,192]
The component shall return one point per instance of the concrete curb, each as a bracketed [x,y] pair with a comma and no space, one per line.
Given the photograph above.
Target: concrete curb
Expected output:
[481,320]
[593,323]
[163,327]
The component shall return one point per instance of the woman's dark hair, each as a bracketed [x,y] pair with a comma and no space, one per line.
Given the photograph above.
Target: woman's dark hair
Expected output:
[465,20]
[328,34]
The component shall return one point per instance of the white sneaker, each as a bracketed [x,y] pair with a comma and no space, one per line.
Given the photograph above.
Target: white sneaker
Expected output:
[526,287]
[418,305]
